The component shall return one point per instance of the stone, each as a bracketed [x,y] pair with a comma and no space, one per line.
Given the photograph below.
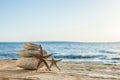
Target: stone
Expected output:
[29,53]
[29,63]
[31,46]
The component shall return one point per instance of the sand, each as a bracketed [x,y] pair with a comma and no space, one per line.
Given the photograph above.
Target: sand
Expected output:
[70,71]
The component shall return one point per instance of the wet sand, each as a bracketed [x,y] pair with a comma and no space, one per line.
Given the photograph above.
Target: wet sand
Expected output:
[70,71]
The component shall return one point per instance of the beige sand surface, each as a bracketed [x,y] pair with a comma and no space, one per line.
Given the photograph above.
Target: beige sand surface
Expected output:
[70,71]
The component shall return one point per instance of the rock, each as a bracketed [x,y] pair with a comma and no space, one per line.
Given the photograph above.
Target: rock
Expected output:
[29,63]
[31,46]
[28,53]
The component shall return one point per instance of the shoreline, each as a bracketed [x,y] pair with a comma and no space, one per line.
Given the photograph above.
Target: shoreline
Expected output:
[70,71]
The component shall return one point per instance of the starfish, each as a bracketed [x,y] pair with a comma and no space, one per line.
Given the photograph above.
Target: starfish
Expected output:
[42,58]
[54,62]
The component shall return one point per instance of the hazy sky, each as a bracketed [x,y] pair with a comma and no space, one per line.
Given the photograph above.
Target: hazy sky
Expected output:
[60,20]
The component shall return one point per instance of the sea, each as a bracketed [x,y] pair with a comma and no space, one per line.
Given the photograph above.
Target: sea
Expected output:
[88,52]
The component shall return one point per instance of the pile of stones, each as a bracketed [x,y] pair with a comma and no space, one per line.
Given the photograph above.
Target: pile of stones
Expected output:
[27,60]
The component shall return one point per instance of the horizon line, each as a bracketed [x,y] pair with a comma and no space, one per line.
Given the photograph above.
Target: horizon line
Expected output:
[60,41]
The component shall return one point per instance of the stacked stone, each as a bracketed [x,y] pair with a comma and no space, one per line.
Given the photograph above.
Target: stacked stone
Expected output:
[27,61]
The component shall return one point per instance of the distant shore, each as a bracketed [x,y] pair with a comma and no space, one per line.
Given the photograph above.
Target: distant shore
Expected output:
[70,71]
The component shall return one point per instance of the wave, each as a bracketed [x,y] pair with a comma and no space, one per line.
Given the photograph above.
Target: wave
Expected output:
[9,55]
[77,57]
[115,58]
[110,52]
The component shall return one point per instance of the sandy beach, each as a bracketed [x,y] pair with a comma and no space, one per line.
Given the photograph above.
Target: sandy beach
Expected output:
[70,71]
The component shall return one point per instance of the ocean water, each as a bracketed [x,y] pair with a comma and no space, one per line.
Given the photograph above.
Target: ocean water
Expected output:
[105,53]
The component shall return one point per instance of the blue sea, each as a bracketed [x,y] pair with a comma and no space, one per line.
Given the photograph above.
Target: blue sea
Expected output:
[104,53]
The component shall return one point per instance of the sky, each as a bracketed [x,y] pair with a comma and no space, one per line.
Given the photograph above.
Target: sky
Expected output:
[60,20]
